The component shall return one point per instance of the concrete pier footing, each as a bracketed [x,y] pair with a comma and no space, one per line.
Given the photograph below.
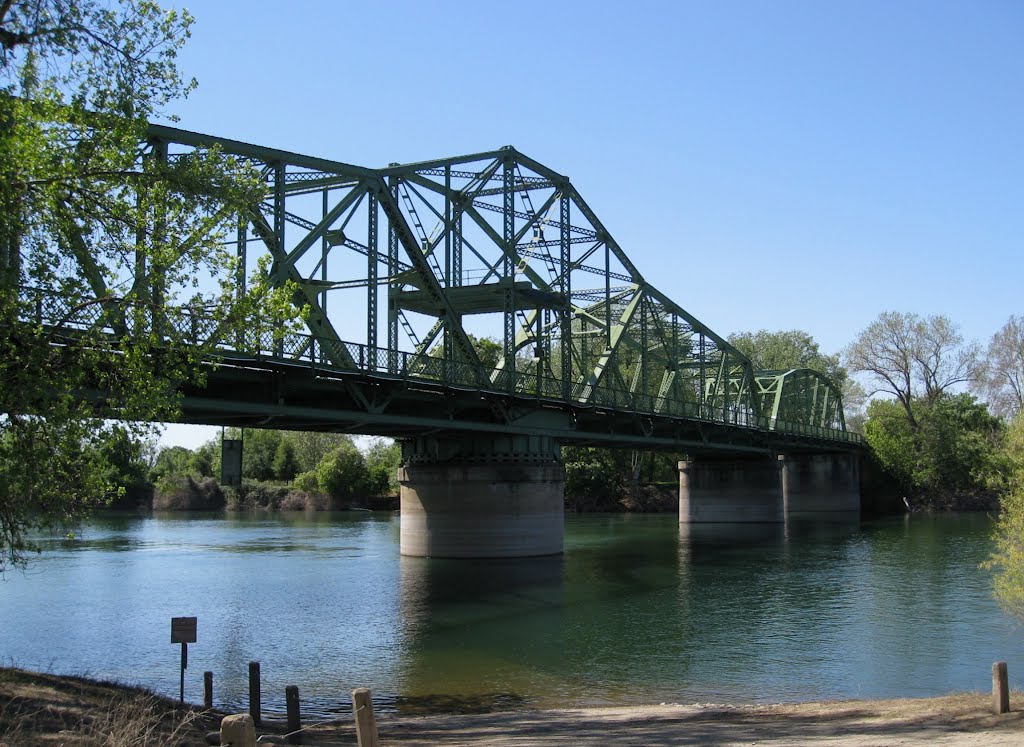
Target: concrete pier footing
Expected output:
[819,485]
[769,489]
[499,497]
[730,491]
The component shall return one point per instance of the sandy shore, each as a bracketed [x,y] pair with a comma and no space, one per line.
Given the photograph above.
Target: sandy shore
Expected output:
[958,720]
[42,709]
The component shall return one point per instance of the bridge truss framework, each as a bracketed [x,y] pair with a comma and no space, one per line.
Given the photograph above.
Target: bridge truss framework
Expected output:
[419,261]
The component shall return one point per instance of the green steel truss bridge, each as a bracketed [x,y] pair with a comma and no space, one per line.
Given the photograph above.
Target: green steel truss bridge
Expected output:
[403,269]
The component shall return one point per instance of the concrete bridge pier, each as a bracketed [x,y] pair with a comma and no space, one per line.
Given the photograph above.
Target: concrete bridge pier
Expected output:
[484,497]
[769,489]
[733,490]
[820,486]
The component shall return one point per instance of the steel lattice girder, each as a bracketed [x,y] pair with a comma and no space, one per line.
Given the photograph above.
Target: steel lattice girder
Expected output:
[800,397]
[491,244]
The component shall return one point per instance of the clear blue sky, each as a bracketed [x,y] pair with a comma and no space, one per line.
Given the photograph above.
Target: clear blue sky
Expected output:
[778,165]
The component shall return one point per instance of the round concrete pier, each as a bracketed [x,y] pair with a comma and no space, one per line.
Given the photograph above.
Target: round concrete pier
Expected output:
[482,511]
[730,491]
[469,503]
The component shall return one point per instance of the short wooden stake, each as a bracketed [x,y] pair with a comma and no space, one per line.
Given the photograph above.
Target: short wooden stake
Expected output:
[366,724]
[207,689]
[1000,688]
[291,700]
[254,691]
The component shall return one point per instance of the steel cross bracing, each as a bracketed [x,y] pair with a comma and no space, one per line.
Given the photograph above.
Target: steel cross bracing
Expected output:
[400,270]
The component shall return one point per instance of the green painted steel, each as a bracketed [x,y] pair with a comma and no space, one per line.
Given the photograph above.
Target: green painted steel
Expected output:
[491,245]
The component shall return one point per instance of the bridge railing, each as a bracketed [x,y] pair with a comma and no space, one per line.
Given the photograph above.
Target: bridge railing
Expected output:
[196,327]
[313,352]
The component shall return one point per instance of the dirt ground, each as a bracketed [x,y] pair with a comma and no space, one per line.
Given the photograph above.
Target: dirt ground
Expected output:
[41,709]
[955,720]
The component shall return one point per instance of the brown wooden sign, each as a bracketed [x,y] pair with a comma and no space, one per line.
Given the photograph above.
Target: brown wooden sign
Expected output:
[183,630]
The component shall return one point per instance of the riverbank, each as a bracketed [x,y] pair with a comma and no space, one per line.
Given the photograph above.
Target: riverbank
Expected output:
[43,709]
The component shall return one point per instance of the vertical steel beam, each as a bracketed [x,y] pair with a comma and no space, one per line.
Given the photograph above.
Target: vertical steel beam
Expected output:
[607,296]
[392,273]
[325,247]
[544,343]
[644,357]
[371,283]
[457,249]
[448,344]
[565,286]
[279,229]
[242,241]
[703,375]
[509,270]
[447,226]
[676,353]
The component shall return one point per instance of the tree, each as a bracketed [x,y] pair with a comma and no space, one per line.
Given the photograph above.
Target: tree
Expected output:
[125,466]
[102,245]
[259,449]
[780,351]
[342,474]
[1007,559]
[594,476]
[171,460]
[1002,375]
[382,460]
[313,446]
[487,349]
[286,465]
[206,459]
[913,358]
[952,453]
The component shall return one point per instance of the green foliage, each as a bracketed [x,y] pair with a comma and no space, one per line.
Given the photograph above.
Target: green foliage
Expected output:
[172,460]
[307,482]
[125,468]
[286,465]
[382,461]
[951,453]
[1007,559]
[312,446]
[110,242]
[781,351]
[892,440]
[487,349]
[594,478]
[206,459]
[343,474]
[259,449]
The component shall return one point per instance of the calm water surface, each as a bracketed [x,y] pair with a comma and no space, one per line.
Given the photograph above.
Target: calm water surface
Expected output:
[634,612]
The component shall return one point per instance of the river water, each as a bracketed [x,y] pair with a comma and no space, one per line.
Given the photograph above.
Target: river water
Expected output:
[635,611]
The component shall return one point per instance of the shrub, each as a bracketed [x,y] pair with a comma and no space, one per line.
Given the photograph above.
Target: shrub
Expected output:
[183,493]
[307,482]
[343,475]
[300,500]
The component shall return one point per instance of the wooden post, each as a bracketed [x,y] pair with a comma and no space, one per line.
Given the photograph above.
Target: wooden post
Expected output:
[207,689]
[366,724]
[254,691]
[291,699]
[1000,688]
